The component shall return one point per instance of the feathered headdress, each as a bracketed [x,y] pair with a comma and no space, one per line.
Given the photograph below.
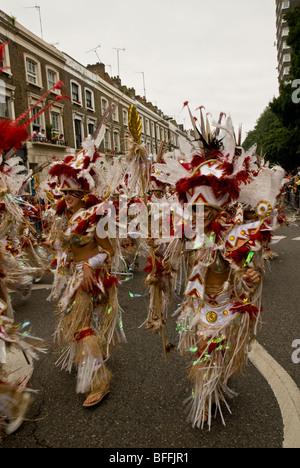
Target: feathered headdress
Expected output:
[213,172]
[87,170]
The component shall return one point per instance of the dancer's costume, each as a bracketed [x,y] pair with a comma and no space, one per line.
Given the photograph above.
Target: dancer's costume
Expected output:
[17,347]
[88,325]
[160,283]
[220,312]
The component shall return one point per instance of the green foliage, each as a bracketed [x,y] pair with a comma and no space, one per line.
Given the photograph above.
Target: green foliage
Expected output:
[276,142]
[277,131]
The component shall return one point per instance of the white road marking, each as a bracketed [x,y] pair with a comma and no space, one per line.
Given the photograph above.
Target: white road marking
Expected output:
[276,239]
[35,287]
[296,239]
[285,390]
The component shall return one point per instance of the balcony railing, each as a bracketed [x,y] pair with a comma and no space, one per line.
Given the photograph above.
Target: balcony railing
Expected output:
[38,139]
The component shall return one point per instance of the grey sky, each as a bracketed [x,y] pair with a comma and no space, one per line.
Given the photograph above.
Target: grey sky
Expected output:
[217,54]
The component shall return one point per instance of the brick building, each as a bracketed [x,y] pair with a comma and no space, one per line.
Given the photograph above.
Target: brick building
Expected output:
[35,66]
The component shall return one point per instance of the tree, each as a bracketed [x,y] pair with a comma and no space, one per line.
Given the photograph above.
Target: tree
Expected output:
[277,131]
[273,140]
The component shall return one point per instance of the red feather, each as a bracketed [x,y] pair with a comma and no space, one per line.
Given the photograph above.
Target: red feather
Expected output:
[110,281]
[11,136]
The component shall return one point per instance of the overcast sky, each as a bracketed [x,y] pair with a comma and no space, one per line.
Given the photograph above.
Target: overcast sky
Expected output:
[218,54]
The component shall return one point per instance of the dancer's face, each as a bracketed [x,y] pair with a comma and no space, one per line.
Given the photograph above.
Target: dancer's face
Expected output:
[209,215]
[73,200]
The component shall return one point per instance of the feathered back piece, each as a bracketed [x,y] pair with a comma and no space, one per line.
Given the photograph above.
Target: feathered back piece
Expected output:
[136,181]
[262,193]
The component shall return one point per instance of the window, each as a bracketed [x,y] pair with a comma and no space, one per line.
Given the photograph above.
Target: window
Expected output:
[91,128]
[6,100]
[75,92]
[53,78]
[152,129]
[115,115]
[285,5]
[107,143]
[5,62]
[55,121]
[287,58]
[157,132]
[286,71]
[89,99]
[125,117]
[4,107]
[104,105]
[32,71]
[116,142]
[37,123]
[147,127]
[78,133]
[285,32]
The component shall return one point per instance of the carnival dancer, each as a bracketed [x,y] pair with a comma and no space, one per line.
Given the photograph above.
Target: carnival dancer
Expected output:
[17,347]
[221,307]
[89,318]
[160,283]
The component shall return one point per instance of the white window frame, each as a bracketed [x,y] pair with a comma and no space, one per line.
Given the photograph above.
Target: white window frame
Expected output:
[74,101]
[38,71]
[51,69]
[78,117]
[143,125]
[115,115]
[287,58]
[285,5]
[125,117]
[6,61]
[104,106]
[107,139]
[91,122]
[32,99]
[116,141]
[285,32]
[92,107]
[147,125]
[7,93]
[286,71]
[58,111]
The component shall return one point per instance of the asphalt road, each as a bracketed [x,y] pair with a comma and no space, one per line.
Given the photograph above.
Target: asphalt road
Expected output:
[145,407]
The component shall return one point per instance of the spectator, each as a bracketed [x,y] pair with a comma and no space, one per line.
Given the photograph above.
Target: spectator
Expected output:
[41,135]
[297,190]
[59,139]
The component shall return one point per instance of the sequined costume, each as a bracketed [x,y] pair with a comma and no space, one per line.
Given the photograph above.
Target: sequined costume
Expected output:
[221,308]
[89,324]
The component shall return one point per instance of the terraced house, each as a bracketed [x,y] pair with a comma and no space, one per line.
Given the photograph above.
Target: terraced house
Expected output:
[34,66]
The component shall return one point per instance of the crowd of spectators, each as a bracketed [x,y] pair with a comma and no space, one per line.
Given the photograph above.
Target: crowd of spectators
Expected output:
[292,189]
